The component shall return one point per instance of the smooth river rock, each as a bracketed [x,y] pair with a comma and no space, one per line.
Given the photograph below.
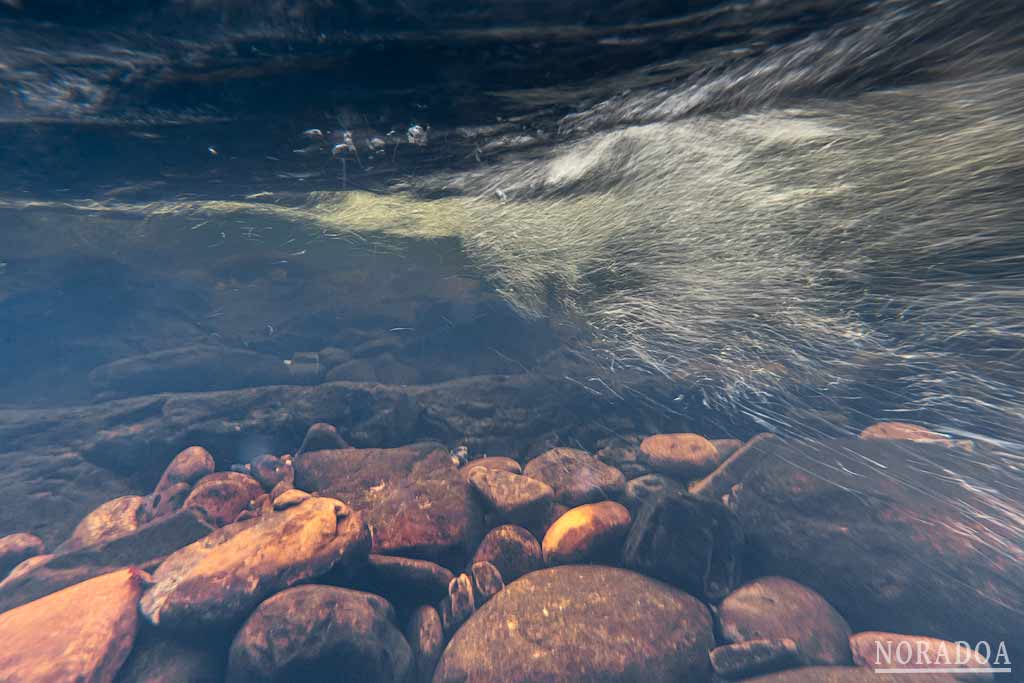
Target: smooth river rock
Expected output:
[845,674]
[218,580]
[775,608]
[16,548]
[512,549]
[586,533]
[576,476]
[582,623]
[414,498]
[320,633]
[82,633]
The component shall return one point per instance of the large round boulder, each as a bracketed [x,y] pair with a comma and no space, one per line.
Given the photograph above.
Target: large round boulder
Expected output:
[320,633]
[582,623]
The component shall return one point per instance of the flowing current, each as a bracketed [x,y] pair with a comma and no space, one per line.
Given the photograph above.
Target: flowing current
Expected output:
[770,216]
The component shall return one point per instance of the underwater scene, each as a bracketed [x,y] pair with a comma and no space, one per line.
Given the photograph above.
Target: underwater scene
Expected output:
[421,341]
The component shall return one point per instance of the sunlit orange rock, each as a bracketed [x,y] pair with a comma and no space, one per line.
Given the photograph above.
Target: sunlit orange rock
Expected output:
[585,532]
[82,634]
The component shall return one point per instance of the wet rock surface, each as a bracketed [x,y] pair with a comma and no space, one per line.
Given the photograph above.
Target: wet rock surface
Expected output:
[222,496]
[425,636]
[159,657]
[187,467]
[513,550]
[591,532]
[218,580]
[513,498]
[189,368]
[413,497]
[308,632]
[754,657]
[577,623]
[689,542]
[776,608]
[685,456]
[114,518]
[82,633]
[891,557]
[576,476]
[16,548]
[90,454]
[403,580]
[144,548]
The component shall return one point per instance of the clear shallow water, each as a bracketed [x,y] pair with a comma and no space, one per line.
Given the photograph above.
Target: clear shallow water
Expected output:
[615,225]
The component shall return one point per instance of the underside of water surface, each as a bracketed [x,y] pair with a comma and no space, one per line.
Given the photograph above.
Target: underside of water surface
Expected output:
[471,342]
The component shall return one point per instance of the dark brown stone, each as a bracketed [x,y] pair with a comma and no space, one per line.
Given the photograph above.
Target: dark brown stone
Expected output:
[514,498]
[649,487]
[685,456]
[689,542]
[270,470]
[322,437]
[775,608]
[413,497]
[731,471]
[223,495]
[754,658]
[513,550]
[576,476]
[425,636]
[159,657]
[583,623]
[405,581]
[878,528]
[169,499]
[17,548]
[319,633]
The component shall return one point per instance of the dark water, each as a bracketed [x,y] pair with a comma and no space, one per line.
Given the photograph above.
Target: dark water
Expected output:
[221,222]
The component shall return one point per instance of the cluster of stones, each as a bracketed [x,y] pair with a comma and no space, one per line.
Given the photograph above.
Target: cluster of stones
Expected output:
[405,564]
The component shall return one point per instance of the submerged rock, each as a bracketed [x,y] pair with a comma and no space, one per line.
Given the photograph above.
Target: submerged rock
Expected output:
[319,633]
[187,467]
[777,608]
[883,537]
[414,498]
[754,657]
[493,462]
[322,437]
[425,636]
[686,456]
[144,548]
[512,549]
[576,476]
[189,368]
[586,533]
[402,580]
[582,623]
[159,657]
[487,581]
[223,495]
[689,542]
[82,633]
[217,581]
[114,518]
[515,499]
[16,548]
